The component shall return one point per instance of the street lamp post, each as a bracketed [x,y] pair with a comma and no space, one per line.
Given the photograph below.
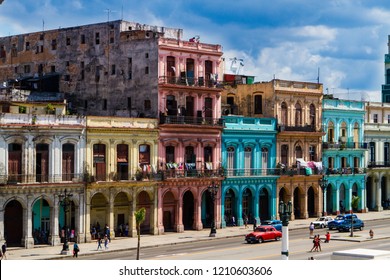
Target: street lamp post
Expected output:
[323,182]
[65,202]
[285,210]
[213,190]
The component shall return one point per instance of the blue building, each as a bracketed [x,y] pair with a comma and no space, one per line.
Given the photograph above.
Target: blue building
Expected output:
[248,160]
[343,155]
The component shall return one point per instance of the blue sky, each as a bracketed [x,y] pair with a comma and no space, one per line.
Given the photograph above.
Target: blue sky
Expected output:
[343,40]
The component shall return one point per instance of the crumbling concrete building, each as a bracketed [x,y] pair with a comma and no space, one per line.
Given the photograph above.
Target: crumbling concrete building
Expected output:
[108,69]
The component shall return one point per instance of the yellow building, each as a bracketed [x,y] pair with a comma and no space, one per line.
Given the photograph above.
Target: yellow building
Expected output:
[121,173]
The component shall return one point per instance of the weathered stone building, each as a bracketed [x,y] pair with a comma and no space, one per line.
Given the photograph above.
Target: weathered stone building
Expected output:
[106,69]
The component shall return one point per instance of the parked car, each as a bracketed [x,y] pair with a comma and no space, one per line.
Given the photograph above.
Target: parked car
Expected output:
[263,233]
[275,223]
[339,220]
[346,225]
[322,222]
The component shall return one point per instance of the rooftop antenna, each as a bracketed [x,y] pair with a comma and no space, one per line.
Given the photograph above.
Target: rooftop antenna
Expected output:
[318,75]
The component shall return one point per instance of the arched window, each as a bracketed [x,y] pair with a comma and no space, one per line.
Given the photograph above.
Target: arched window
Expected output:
[298,152]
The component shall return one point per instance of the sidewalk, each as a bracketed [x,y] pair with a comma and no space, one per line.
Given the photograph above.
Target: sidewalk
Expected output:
[46,252]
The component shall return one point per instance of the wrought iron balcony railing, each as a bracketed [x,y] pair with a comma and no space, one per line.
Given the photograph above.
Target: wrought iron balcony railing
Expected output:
[373,164]
[190,120]
[342,145]
[345,171]
[188,81]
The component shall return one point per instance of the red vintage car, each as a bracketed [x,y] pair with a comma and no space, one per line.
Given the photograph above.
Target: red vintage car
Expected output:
[263,233]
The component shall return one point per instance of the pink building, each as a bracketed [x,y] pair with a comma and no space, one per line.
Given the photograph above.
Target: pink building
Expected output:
[189,134]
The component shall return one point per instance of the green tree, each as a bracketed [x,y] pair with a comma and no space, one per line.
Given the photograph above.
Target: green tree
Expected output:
[139,218]
[355,203]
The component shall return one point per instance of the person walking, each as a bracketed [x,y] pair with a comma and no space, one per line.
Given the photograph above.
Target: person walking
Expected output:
[99,242]
[105,242]
[327,237]
[4,251]
[76,250]
[311,229]
[245,221]
[316,243]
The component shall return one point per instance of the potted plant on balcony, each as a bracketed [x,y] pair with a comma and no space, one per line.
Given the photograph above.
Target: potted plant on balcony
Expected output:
[50,109]
[138,174]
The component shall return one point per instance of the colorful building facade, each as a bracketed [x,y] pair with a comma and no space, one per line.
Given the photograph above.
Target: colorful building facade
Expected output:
[248,160]
[343,155]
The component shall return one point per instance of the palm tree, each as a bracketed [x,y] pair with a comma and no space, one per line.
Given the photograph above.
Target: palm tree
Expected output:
[139,218]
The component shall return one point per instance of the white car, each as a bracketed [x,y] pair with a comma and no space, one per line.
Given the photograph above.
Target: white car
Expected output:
[322,222]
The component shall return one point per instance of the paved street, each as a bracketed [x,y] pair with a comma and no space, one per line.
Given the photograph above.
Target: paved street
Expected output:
[119,244]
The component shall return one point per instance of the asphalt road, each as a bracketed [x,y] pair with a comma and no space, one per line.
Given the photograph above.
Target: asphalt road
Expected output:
[235,248]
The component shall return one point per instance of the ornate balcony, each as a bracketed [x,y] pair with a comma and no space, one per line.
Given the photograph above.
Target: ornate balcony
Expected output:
[189,81]
[190,120]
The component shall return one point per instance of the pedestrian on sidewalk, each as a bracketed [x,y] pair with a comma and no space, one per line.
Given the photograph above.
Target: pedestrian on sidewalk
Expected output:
[245,221]
[311,229]
[4,251]
[99,242]
[76,250]
[105,242]
[327,237]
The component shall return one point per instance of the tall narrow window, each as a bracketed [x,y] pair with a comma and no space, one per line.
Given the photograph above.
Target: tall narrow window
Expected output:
[97,38]
[99,161]
[14,162]
[247,161]
[284,114]
[122,155]
[284,154]
[264,160]
[312,115]
[258,104]
[331,132]
[372,152]
[208,72]
[298,115]
[144,157]
[386,155]
[208,107]
[171,70]
[170,154]
[312,153]
[67,162]
[42,163]
[298,152]
[230,161]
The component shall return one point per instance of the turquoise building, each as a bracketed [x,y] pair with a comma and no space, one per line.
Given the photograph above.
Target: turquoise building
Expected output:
[343,155]
[248,160]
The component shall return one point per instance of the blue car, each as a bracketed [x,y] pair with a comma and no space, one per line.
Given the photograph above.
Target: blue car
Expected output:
[339,220]
[275,223]
[346,225]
